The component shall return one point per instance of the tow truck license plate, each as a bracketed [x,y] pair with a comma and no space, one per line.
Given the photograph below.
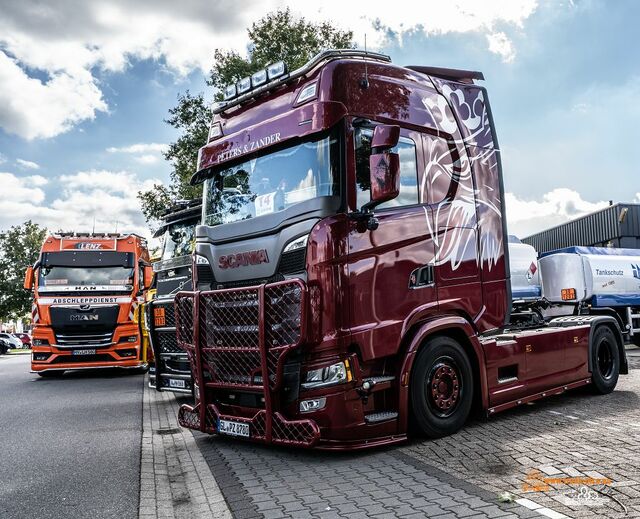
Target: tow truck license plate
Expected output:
[233,428]
[86,351]
[176,383]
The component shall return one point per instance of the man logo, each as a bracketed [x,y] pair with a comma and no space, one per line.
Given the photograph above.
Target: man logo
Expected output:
[636,271]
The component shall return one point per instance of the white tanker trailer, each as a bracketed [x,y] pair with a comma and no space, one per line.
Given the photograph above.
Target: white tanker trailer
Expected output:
[598,280]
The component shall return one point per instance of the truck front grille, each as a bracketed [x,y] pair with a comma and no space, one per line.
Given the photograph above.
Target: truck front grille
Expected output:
[168,342]
[74,340]
[243,330]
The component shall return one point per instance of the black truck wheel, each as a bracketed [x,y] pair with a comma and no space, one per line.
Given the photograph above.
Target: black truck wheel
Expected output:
[441,387]
[605,360]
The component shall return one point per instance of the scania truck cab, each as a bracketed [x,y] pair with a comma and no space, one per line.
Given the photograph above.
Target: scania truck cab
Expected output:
[87,289]
[171,370]
[351,276]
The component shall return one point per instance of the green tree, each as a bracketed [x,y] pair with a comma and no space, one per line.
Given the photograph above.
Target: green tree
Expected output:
[279,36]
[19,248]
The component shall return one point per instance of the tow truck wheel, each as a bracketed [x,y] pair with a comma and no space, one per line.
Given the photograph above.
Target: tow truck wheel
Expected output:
[605,360]
[441,387]
[51,374]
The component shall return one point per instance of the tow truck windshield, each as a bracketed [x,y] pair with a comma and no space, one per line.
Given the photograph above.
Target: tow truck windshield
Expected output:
[272,182]
[54,279]
[179,240]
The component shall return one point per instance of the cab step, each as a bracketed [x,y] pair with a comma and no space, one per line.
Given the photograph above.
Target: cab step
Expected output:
[382,416]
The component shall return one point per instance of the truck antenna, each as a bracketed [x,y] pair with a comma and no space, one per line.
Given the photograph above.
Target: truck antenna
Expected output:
[93,231]
[364,83]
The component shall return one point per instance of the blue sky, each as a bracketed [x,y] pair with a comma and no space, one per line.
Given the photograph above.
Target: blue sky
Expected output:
[84,90]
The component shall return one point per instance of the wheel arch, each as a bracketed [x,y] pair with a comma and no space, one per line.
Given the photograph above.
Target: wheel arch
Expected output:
[462,331]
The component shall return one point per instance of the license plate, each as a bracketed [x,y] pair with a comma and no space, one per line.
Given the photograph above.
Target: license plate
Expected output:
[86,351]
[176,383]
[233,428]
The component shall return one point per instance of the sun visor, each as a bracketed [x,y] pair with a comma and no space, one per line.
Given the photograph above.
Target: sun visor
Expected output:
[299,123]
[87,259]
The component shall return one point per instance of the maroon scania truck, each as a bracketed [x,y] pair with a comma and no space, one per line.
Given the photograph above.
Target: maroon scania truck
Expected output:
[351,276]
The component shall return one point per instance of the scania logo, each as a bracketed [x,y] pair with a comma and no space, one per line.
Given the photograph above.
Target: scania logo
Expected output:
[83,317]
[636,271]
[243,259]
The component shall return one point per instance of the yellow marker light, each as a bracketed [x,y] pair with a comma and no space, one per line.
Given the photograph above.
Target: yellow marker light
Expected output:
[348,366]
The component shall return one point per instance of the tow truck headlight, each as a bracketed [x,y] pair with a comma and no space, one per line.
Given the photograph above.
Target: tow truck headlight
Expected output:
[308,92]
[259,78]
[276,69]
[201,260]
[244,85]
[229,92]
[337,373]
[296,244]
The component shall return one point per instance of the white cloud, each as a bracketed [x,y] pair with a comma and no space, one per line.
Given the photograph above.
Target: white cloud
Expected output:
[140,148]
[27,164]
[20,189]
[147,159]
[32,108]
[637,198]
[109,197]
[525,217]
[3,159]
[500,44]
[51,55]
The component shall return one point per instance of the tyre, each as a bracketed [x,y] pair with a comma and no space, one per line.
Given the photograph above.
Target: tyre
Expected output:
[51,374]
[605,360]
[441,387]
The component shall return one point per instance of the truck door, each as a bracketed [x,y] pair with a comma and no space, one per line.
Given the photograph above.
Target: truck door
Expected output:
[390,269]
[448,186]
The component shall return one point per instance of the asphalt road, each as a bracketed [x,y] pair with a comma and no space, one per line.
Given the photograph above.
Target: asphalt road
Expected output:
[69,447]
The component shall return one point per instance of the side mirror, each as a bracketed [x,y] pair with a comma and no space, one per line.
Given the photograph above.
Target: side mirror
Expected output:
[384,166]
[28,279]
[385,136]
[148,276]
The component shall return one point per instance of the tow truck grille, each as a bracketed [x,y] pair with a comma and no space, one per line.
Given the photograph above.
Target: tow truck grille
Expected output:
[168,342]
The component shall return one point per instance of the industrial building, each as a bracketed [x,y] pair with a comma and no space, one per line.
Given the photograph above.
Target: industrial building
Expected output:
[615,226]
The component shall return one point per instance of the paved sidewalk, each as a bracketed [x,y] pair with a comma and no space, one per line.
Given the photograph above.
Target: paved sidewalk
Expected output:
[175,480]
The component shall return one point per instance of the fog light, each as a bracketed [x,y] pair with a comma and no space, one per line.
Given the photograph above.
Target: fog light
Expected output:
[308,406]
[41,357]
[129,338]
[40,342]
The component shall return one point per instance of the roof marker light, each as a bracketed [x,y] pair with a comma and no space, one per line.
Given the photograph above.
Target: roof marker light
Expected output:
[307,92]
[244,85]
[259,78]
[229,92]
[215,131]
[276,69]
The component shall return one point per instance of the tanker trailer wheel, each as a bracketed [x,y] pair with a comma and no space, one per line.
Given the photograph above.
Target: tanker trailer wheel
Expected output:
[605,360]
[441,387]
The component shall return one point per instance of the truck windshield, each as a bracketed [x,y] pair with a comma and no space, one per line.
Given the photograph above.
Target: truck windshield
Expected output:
[179,239]
[272,182]
[65,279]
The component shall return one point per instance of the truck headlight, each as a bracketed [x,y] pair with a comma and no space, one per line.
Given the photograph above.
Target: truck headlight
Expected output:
[337,373]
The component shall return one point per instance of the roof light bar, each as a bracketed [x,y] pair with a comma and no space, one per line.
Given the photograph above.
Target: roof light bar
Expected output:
[276,74]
